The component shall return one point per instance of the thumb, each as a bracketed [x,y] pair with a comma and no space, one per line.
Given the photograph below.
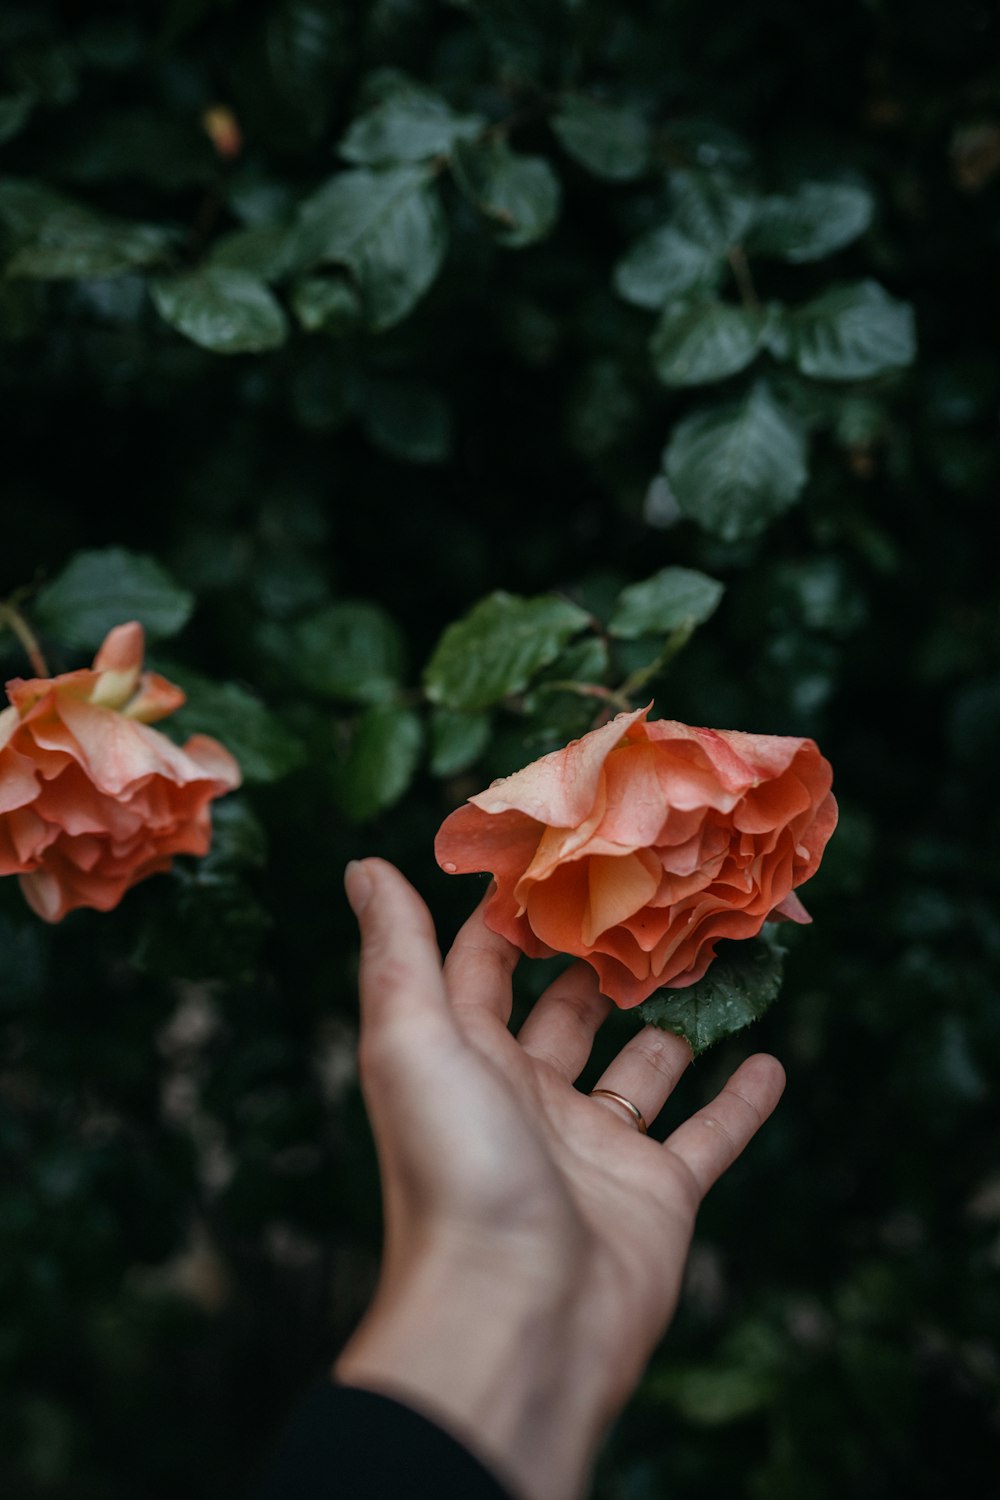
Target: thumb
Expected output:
[400,978]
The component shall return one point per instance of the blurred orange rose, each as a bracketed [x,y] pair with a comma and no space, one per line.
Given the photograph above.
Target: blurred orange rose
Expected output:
[91,799]
[642,844]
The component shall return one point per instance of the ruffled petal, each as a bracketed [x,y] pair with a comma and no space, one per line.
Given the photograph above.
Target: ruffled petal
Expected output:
[618,888]
[471,840]
[561,788]
[18,779]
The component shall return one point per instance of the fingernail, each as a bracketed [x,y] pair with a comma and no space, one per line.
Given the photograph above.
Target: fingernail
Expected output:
[358,886]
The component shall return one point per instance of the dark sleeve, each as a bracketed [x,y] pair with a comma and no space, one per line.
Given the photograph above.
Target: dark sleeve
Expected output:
[354,1444]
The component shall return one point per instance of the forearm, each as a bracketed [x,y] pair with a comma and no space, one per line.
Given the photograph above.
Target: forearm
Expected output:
[453,1340]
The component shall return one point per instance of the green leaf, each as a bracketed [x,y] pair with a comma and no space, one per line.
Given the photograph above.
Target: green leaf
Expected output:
[265,749]
[349,651]
[817,219]
[57,239]
[558,702]
[583,663]
[261,251]
[611,142]
[498,647]
[741,983]
[457,740]
[673,599]
[407,419]
[327,304]
[700,340]
[851,332]
[711,209]
[407,124]
[98,590]
[387,227]
[14,112]
[382,761]
[663,264]
[733,468]
[228,312]
[520,195]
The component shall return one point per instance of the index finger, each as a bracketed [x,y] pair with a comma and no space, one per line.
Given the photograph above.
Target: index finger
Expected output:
[478,969]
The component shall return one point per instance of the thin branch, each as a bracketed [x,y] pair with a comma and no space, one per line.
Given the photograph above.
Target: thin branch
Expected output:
[12,617]
[740,267]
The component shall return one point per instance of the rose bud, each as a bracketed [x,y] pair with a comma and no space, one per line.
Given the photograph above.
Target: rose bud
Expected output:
[640,845]
[92,800]
[223,130]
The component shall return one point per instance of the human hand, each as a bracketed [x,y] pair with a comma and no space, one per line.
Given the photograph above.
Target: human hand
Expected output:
[535,1240]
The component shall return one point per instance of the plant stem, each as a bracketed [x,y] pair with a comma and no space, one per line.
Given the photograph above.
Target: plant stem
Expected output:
[11,616]
[740,268]
[587,690]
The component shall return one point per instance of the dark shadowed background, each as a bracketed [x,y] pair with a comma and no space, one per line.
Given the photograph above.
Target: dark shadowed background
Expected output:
[322,322]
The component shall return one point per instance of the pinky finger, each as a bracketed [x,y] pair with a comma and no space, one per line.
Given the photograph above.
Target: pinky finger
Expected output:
[712,1139]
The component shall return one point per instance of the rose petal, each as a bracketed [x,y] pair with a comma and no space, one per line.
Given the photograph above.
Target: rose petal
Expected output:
[635,804]
[472,840]
[772,804]
[641,846]
[560,789]
[214,761]
[619,887]
[557,908]
[122,649]
[118,752]
[18,779]
[155,699]
[791,908]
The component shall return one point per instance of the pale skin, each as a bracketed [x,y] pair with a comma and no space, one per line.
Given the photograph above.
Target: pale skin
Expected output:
[535,1240]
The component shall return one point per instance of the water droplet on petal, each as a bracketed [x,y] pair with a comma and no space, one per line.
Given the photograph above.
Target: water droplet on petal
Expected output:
[802,851]
[452,869]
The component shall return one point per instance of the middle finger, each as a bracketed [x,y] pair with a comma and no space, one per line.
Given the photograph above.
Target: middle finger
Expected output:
[561,1027]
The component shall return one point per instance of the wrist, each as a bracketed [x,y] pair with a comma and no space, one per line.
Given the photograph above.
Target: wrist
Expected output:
[485,1355]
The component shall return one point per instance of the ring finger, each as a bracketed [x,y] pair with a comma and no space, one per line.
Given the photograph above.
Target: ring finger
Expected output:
[644,1072]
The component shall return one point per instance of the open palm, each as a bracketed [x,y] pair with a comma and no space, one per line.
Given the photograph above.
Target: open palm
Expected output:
[490,1153]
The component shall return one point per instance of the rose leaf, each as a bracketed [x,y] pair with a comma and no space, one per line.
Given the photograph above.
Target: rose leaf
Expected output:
[815,220]
[264,748]
[611,142]
[519,194]
[672,599]
[851,332]
[740,985]
[221,309]
[497,648]
[733,468]
[102,588]
[386,226]
[700,339]
[381,761]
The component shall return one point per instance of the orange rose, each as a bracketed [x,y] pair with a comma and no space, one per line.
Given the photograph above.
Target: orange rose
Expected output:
[91,799]
[642,844]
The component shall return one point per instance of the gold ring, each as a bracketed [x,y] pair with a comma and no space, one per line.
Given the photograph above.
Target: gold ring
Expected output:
[633,1110]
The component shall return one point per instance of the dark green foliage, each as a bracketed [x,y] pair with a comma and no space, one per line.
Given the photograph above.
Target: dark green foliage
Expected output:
[575,355]
[741,983]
